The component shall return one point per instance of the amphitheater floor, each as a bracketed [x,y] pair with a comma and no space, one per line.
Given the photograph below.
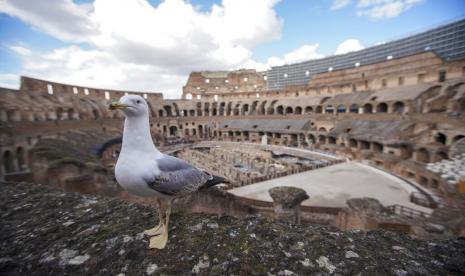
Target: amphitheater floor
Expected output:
[332,186]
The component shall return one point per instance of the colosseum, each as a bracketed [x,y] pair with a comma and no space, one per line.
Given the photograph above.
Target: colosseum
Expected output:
[386,122]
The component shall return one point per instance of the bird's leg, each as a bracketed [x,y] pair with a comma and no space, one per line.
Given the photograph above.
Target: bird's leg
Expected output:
[157,230]
[159,242]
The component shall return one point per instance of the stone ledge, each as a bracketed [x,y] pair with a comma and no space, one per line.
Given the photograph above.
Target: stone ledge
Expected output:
[47,232]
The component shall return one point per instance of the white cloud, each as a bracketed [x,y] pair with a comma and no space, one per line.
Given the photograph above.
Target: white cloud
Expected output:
[349,45]
[378,9]
[60,18]
[132,39]
[20,50]
[9,81]
[338,4]
[303,53]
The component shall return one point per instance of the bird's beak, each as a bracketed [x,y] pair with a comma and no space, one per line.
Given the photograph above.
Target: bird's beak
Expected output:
[118,105]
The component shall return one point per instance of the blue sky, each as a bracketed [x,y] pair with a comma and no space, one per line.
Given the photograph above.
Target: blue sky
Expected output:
[152,46]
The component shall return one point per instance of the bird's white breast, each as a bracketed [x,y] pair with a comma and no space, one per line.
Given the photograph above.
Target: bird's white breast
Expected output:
[132,169]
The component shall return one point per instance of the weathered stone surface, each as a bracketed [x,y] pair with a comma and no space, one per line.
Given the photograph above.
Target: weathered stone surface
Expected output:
[35,241]
[365,205]
[288,197]
[286,202]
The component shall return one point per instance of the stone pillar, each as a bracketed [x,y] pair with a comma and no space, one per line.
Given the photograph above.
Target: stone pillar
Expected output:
[286,202]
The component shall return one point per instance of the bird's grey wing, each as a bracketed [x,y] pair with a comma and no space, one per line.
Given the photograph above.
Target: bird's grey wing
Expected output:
[176,177]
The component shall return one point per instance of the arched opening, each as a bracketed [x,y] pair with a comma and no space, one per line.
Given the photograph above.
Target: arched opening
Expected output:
[382,108]
[440,138]
[341,108]
[8,162]
[192,113]
[405,151]
[298,110]
[322,139]
[308,109]
[353,108]
[280,110]
[319,109]
[331,140]
[322,129]
[20,156]
[438,156]
[199,109]
[378,147]
[368,108]
[245,109]
[311,138]
[422,155]
[329,109]
[173,131]
[201,131]
[95,113]
[364,145]
[458,137]
[352,143]
[398,107]
[160,113]
[289,110]
[168,110]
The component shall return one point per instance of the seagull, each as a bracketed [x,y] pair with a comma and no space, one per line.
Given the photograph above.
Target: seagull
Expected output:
[144,171]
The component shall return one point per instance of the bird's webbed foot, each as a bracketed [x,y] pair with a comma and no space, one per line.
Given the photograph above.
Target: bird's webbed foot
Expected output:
[157,230]
[159,242]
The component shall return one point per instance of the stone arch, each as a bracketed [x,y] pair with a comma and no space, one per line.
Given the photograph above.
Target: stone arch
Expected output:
[199,109]
[440,138]
[378,147]
[398,107]
[176,109]
[322,139]
[439,155]
[308,109]
[364,145]
[331,140]
[353,108]
[245,109]
[8,162]
[312,138]
[192,112]
[229,109]
[201,131]
[382,108]
[280,110]
[222,108]
[457,137]
[353,143]
[322,129]
[206,109]
[262,110]
[21,159]
[368,108]
[289,110]
[160,113]
[422,155]
[173,131]
[298,110]
[319,109]
[168,110]
[329,109]
[341,108]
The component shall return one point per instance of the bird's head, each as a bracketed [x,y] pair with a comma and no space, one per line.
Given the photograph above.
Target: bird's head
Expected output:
[131,105]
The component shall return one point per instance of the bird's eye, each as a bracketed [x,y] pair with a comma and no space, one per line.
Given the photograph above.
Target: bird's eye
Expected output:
[138,101]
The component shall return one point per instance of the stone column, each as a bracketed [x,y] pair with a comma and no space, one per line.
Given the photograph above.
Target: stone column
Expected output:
[286,201]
